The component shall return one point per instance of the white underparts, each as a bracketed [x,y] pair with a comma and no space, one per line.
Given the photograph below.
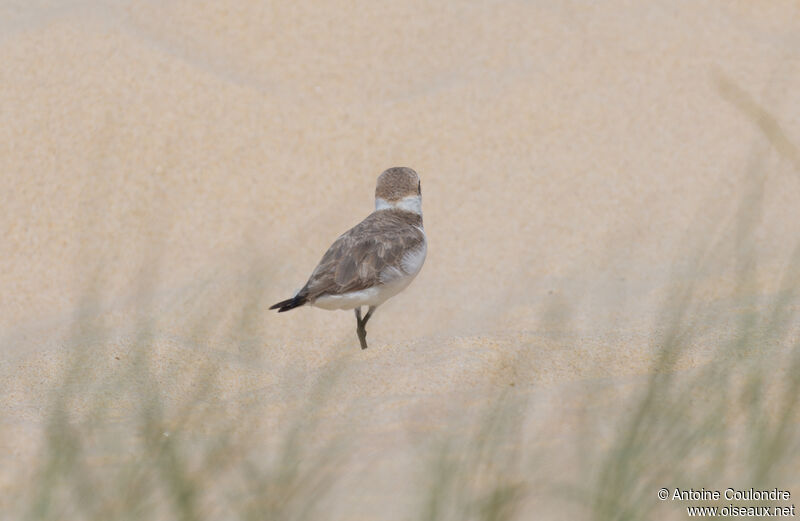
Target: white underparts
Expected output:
[374,296]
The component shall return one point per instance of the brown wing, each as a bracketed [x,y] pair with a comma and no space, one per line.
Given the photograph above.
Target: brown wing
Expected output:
[360,257]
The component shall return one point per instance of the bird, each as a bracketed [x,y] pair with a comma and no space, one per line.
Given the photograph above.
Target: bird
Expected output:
[374,260]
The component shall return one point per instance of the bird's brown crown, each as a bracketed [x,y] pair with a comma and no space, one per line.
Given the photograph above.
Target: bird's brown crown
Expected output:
[396,183]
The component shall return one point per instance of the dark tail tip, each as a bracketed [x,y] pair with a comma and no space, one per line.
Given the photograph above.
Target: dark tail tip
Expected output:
[286,305]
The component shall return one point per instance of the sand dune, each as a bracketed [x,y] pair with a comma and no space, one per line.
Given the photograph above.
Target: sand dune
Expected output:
[209,153]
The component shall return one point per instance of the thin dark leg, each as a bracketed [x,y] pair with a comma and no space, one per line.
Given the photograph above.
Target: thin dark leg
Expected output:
[360,330]
[361,323]
[368,315]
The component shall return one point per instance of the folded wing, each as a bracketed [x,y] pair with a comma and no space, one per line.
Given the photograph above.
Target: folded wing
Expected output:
[374,252]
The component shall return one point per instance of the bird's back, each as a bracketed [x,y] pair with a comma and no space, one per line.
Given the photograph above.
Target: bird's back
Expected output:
[386,246]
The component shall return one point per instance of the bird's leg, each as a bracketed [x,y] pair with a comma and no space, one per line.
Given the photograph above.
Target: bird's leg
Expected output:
[369,314]
[360,330]
[361,324]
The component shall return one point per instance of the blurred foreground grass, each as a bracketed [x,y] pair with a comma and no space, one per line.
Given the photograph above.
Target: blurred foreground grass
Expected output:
[729,422]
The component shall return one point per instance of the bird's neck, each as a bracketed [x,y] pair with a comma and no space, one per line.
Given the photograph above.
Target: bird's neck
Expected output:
[410,203]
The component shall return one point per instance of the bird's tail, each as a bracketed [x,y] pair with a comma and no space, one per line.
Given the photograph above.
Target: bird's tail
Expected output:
[286,305]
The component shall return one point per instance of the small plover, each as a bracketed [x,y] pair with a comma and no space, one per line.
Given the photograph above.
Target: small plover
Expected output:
[374,260]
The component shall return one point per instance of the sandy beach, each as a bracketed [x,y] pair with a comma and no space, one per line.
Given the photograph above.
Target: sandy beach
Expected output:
[178,167]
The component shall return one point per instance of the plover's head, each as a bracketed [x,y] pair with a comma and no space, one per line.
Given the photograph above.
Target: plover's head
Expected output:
[399,188]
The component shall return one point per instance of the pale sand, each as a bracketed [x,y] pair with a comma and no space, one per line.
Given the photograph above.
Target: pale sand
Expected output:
[566,151]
